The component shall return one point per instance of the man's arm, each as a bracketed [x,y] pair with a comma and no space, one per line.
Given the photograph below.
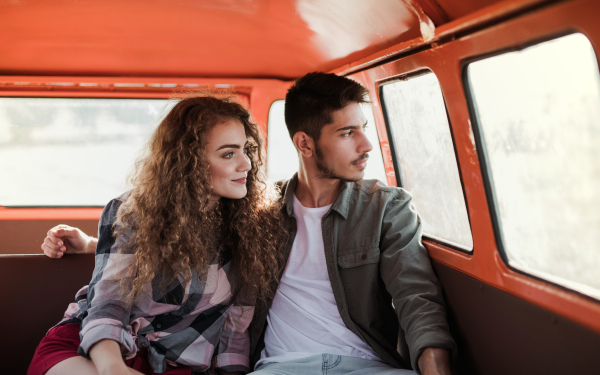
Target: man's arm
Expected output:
[65,239]
[406,269]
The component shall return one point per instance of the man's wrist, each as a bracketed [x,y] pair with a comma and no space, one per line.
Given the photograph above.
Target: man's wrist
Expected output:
[434,361]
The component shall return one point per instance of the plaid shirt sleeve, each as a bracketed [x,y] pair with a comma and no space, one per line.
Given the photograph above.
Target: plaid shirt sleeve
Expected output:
[234,342]
[108,315]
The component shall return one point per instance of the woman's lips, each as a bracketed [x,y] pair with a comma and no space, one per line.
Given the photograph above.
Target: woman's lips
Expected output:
[241,181]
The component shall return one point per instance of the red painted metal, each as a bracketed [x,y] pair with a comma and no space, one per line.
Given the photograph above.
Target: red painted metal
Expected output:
[195,38]
[446,60]
[480,18]
[43,213]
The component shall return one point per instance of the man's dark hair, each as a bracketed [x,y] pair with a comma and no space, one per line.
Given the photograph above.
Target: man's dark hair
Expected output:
[312,99]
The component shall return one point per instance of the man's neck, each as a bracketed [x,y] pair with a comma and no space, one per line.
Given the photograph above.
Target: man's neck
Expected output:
[313,191]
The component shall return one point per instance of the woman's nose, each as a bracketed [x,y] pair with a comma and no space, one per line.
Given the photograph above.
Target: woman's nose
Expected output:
[245,164]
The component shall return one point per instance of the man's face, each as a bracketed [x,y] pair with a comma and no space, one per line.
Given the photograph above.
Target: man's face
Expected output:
[341,152]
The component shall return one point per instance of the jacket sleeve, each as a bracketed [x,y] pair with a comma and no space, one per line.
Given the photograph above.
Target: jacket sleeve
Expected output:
[108,314]
[233,353]
[406,270]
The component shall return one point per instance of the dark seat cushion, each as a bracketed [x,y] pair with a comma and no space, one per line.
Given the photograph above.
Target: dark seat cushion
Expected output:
[34,293]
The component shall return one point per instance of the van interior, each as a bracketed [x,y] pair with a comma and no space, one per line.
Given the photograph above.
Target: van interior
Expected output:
[487,111]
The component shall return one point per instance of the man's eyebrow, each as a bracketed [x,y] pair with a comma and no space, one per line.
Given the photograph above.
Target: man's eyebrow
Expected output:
[352,127]
[232,146]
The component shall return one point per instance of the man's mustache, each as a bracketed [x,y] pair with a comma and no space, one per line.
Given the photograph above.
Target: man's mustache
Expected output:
[364,156]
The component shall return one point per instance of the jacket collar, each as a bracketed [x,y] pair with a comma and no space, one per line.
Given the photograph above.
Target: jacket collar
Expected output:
[341,204]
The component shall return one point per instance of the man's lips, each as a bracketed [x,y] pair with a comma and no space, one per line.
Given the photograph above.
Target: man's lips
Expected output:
[361,162]
[241,181]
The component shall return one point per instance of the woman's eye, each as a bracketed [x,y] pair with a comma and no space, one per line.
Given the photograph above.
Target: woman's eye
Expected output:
[228,155]
[246,150]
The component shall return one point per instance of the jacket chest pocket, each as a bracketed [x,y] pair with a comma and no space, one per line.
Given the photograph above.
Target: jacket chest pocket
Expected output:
[359,256]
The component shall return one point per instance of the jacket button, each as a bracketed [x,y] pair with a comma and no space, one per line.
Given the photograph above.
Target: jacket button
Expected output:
[364,256]
[158,325]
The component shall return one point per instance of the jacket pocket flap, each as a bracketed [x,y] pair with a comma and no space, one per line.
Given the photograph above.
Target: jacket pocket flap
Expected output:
[359,257]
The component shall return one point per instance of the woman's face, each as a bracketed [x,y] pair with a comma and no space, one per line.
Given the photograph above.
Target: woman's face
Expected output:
[227,159]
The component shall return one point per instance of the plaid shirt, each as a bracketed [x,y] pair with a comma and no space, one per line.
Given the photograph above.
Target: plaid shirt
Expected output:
[200,325]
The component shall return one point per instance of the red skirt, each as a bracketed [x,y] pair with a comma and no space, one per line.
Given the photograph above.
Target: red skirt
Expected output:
[62,342]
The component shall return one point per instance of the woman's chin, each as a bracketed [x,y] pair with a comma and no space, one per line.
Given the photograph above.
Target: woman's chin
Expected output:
[235,194]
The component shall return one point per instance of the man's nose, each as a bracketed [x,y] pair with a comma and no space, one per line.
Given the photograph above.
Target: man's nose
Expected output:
[364,146]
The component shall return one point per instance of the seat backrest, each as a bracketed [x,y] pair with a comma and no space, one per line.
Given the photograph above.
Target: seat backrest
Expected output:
[34,293]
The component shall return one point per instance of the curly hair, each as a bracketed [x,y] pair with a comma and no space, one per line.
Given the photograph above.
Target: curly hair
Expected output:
[176,230]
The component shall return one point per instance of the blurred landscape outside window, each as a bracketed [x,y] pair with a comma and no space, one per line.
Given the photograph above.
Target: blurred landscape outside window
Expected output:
[424,153]
[71,151]
[538,116]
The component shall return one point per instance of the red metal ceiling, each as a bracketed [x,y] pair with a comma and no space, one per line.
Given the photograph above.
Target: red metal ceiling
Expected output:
[205,38]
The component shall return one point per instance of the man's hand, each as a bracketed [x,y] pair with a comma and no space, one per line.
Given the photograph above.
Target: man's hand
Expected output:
[434,361]
[65,239]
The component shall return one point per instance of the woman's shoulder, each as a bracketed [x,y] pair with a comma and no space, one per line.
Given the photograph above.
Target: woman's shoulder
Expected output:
[109,213]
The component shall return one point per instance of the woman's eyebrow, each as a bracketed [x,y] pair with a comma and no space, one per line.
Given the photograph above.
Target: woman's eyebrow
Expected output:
[229,146]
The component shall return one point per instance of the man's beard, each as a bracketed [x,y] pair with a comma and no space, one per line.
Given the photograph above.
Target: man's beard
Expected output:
[326,171]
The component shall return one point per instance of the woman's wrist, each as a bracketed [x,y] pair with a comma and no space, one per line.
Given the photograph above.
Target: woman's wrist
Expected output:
[91,245]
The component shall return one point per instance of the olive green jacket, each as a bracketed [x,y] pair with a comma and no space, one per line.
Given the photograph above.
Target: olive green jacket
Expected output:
[375,258]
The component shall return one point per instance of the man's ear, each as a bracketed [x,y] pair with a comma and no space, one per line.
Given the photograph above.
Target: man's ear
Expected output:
[304,143]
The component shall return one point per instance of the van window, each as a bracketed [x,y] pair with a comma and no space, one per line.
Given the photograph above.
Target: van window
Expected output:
[537,113]
[282,157]
[424,154]
[71,151]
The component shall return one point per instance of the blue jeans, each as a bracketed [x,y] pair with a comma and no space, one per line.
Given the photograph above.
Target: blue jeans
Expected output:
[329,364]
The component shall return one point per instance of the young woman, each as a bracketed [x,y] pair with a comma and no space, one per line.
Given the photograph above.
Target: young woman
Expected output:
[180,259]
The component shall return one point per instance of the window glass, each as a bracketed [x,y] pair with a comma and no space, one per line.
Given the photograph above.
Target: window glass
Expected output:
[282,157]
[71,151]
[538,116]
[424,153]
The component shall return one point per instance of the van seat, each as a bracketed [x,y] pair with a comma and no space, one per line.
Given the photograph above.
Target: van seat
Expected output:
[34,293]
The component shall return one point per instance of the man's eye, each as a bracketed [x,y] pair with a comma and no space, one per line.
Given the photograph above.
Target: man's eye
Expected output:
[346,134]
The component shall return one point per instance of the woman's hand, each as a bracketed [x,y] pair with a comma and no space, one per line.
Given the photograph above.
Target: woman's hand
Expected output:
[65,239]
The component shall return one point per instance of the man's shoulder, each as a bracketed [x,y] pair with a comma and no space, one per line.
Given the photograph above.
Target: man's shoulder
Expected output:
[378,189]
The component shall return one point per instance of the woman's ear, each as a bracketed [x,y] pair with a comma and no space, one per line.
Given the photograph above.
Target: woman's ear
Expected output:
[304,144]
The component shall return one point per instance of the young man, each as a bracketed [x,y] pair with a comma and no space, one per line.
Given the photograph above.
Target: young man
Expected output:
[354,249]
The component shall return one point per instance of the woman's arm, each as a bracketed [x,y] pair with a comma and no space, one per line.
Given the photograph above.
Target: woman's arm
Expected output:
[108,311]
[106,356]
[234,342]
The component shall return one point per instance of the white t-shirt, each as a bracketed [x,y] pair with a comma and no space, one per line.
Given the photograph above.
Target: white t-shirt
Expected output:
[304,319]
